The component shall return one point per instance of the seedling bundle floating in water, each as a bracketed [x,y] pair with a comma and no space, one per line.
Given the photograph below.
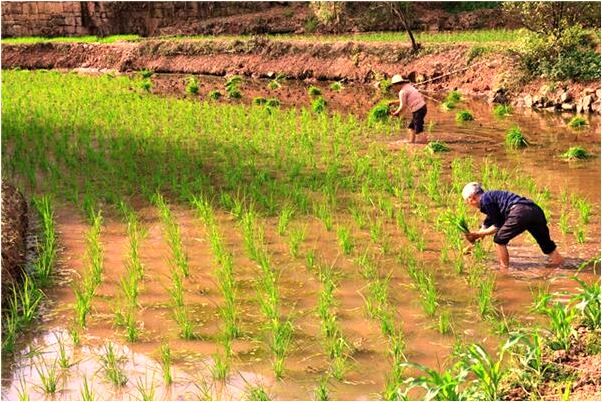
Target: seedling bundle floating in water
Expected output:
[575,152]
[515,138]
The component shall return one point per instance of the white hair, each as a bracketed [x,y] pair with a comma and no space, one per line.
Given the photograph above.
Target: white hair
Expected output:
[471,189]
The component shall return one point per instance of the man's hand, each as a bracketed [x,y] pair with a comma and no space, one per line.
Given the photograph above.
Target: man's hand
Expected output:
[472,236]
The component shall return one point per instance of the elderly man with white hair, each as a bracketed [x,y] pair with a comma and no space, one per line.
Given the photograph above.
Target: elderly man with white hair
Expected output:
[509,215]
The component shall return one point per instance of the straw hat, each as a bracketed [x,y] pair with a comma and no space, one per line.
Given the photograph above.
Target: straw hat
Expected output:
[398,79]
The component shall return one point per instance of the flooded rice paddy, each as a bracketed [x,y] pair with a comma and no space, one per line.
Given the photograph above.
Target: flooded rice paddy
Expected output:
[392,235]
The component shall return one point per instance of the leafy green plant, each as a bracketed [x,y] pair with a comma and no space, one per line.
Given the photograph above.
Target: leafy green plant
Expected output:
[502,110]
[336,86]
[453,96]
[257,393]
[588,303]
[86,392]
[464,115]
[146,85]
[214,94]
[146,390]
[313,91]
[318,105]
[384,85]
[112,365]
[272,102]
[437,146]
[321,392]
[259,100]
[166,363]
[515,138]
[575,152]
[345,240]
[192,86]
[577,122]
[448,105]
[146,73]
[48,376]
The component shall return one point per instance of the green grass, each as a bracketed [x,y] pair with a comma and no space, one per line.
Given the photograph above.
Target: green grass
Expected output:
[464,115]
[86,392]
[214,94]
[577,122]
[515,139]
[453,97]
[574,153]
[49,376]
[112,365]
[70,39]
[257,393]
[336,86]
[192,86]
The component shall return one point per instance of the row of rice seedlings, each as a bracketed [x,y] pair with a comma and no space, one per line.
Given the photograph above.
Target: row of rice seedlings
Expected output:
[179,258]
[49,375]
[280,329]
[425,284]
[25,299]
[180,311]
[92,276]
[224,272]
[337,347]
[125,312]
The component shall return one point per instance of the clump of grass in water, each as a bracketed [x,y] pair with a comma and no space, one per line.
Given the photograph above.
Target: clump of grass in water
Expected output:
[146,390]
[313,91]
[286,214]
[166,363]
[379,113]
[444,322]
[437,146]
[321,392]
[214,94]
[111,365]
[48,248]
[192,86]
[48,376]
[515,138]
[502,110]
[577,122]
[336,86]
[86,392]
[453,96]
[584,208]
[257,393]
[296,238]
[345,240]
[575,152]
[447,105]
[464,115]
[220,368]
[318,105]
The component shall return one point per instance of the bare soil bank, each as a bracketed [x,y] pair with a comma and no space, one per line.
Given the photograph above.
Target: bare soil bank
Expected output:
[14,230]
[442,67]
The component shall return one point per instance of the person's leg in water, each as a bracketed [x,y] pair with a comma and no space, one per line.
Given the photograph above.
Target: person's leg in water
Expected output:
[541,233]
[417,125]
[502,255]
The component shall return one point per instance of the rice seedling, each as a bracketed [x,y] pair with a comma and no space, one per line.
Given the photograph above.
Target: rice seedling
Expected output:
[259,100]
[379,113]
[515,138]
[580,235]
[205,392]
[449,385]
[437,146]
[86,392]
[464,115]
[83,302]
[561,318]
[62,359]
[25,300]
[321,392]
[444,322]
[286,214]
[49,376]
[485,296]
[324,212]
[310,259]
[145,390]
[336,86]
[192,86]
[448,105]
[574,153]
[313,91]
[172,232]
[585,209]
[257,393]
[282,335]
[111,365]
[577,122]
[214,94]
[272,102]
[22,390]
[74,333]
[220,368]
[345,240]
[146,73]
[132,333]
[47,249]
[296,237]
[502,110]
[276,82]
[146,85]
[453,96]
[563,222]
[318,105]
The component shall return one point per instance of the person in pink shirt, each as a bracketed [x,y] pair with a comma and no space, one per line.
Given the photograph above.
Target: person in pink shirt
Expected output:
[409,99]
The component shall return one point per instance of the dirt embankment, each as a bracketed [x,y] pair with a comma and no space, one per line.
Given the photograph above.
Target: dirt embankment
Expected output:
[14,230]
[438,68]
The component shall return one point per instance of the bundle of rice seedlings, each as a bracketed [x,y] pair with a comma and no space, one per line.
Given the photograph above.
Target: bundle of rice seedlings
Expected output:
[437,146]
[575,152]
[379,113]
[515,138]
[464,115]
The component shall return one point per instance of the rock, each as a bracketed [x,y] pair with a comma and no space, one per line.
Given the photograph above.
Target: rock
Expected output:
[528,99]
[270,74]
[598,93]
[587,101]
[579,108]
[567,106]
[536,100]
[596,106]
[550,108]
[589,91]
[565,97]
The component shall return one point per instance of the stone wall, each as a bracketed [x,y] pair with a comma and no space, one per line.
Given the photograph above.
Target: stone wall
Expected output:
[38,18]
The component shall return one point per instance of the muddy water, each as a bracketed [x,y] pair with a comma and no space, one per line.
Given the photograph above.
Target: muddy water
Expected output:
[299,286]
